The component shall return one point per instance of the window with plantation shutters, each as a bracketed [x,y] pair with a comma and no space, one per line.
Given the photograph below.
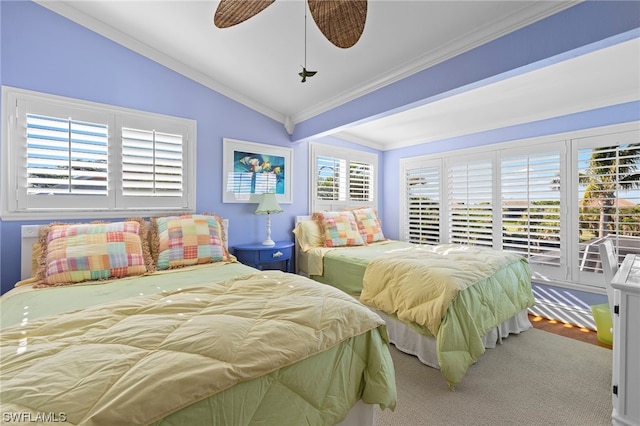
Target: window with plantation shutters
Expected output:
[530,206]
[76,159]
[552,200]
[343,178]
[423,206]
[470,202]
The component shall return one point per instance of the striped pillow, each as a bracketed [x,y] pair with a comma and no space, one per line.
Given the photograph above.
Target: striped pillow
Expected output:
[74,253]
[339,229]
[187,240]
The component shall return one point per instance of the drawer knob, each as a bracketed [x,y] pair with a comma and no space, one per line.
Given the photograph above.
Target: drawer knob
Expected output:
[277,254]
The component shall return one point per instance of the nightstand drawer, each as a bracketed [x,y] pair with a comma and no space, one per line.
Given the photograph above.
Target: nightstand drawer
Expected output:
[275,254]
[257,255]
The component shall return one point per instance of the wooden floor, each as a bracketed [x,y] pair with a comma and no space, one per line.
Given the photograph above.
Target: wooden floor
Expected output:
[567,330]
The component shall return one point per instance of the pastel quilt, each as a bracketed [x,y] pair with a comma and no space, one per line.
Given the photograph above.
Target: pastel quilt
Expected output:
[455,292]
[144,359]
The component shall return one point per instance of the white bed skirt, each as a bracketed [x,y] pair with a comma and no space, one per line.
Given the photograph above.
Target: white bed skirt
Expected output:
[361,414]
[424,347]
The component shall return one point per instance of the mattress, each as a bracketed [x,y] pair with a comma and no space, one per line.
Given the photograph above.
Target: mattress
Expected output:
[118,345]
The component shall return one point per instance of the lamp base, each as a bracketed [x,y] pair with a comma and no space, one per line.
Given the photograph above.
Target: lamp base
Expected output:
[268,242]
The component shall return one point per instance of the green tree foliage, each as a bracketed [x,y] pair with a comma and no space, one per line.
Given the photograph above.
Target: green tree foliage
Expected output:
[610,170]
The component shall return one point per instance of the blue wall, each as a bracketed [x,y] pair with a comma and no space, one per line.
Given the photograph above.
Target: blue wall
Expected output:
[31,58]
[46,52]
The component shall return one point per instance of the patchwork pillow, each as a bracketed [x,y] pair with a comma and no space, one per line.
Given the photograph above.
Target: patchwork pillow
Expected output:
[369,224]
[339,229]
[308,235]
[36,252]
[186,240]
[73,253]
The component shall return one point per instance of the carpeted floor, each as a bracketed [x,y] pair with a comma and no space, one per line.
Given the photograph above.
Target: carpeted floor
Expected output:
[535,378]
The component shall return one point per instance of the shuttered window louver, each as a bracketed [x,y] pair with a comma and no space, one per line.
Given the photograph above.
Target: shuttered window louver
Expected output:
[360,181]
[608,199]
[66,156]
[151,163]
[469,188]
[530,193]
[422,223]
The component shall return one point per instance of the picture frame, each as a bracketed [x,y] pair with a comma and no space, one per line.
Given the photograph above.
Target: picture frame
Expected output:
[250,169]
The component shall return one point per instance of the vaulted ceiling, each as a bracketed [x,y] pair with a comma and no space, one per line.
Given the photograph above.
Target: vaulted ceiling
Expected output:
[257,61]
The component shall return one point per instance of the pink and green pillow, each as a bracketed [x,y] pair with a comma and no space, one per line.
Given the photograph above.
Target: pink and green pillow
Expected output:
[187,240]
[339,229]
[73,253]
[369,224]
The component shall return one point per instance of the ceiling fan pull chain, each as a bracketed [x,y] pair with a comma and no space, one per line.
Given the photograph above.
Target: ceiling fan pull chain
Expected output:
[304,74]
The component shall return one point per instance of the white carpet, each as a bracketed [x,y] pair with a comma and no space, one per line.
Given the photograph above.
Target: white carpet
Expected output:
[535,378]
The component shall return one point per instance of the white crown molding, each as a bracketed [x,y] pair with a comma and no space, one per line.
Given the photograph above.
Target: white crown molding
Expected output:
[346,136]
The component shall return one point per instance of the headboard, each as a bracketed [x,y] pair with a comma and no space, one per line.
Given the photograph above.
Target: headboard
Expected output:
[303,218]
[30,234]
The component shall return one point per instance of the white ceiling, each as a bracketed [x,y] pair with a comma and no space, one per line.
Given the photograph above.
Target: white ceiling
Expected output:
[257,62]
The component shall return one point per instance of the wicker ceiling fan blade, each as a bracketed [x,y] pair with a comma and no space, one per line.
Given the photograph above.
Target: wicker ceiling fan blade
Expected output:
[341,21]
[232,12]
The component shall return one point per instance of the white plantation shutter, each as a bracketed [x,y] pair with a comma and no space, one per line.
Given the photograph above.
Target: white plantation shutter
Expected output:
[66,156]
[423,195]
[530,193]
[470,202]
[343,178]
[77,159]
[360,181]
[151,163]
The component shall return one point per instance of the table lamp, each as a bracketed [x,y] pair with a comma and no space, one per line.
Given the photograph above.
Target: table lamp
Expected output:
[268,205]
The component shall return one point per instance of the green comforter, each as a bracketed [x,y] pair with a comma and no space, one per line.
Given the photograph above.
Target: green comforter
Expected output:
[457,293]
[251,350]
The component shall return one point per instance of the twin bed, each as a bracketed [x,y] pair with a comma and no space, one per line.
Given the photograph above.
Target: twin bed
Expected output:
[445,304]
[121,324]
[204,340]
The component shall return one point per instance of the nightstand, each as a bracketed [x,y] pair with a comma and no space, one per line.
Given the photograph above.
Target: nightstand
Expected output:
[257,255]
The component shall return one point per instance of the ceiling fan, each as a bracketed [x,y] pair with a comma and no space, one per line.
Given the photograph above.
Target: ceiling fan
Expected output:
[341,21]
